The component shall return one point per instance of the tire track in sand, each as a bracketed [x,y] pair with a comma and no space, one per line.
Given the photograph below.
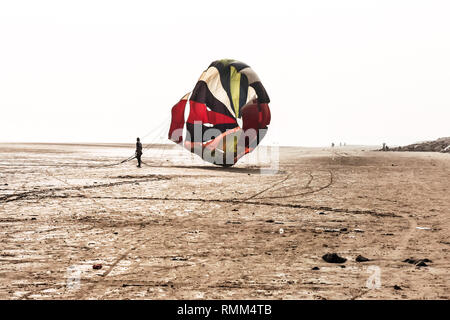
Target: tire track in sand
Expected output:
[327,185]
[268,188]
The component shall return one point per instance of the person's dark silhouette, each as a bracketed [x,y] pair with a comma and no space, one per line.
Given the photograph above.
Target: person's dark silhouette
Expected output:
[138,151]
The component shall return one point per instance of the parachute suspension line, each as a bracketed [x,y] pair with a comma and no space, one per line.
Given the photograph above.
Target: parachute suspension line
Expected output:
[166,146]
[156,139]
[131,157]
[162,152]
[162,148]
[161,124]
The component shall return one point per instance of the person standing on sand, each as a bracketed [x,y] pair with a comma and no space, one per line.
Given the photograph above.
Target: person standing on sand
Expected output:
[138,151]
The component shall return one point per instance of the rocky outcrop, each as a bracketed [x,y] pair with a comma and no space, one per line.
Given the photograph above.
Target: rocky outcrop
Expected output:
[439,145]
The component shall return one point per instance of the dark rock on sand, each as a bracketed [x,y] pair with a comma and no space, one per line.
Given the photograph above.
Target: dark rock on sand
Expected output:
[418,262]
[179,259]
[335,230]
[233,222]
[360,258]
[333,258]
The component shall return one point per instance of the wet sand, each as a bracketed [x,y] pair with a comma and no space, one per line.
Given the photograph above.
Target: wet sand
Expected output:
[179,228]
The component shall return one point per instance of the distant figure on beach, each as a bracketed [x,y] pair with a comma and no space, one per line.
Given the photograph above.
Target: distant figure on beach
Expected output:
[332,144]
[138,151]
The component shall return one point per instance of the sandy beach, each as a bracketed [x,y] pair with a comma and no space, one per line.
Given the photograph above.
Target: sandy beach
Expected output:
[180,228]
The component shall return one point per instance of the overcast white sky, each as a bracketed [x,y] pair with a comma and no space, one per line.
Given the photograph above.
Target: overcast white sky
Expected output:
[363,72]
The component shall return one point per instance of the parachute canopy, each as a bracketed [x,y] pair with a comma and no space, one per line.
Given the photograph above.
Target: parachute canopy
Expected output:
[228,113]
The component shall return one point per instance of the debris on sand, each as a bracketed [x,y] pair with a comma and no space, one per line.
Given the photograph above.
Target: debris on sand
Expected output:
[423,228]
[321,212]
[97,266]
[270,221]
[358,230]
[315,268]
[179,259]
[361,258]
[396,287]
[335,230]
[418,262]
[333,258]
[414,261]
[232,222]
